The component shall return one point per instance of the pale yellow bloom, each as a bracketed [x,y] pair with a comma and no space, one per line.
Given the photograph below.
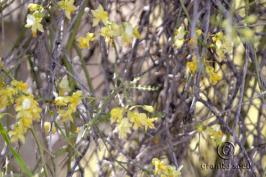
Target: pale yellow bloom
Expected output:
[100,15]
[84,42]
[124,127]
[34,22]
[68,7]
[47,128]
[18,133]
[68,105]
[128,33]
[163,170]
[117,114]
[192,66]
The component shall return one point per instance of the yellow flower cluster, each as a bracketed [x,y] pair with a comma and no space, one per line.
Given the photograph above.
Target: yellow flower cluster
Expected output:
[192,66]
[221,44]
[214,77]
[67,105]
[179,35]
[34,19]
[68,7]
[111,30]
[216,135]
[84,42]
[49,128]
[133,119]
[27,108]
[163,170]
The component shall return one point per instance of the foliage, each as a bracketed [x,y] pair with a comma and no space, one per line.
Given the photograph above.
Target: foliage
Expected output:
[132,88]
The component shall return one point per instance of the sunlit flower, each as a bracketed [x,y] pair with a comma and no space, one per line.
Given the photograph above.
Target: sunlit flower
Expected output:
[116,114]
[192,66]
[67,105]
[140,120]
[128,33]
[163,170]
[47,128]
[35,7]
[179,35]
[68,7]
[34,23]
[110,31]
[18,133]
[6,96]
[27,108]
[123,127]
[20,86]
[99,15]
[84,42]
[214,77]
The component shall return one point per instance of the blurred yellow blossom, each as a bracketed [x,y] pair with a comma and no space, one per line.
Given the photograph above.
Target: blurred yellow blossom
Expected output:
[6,96]
[47,128]
[100,15]
[68,7]
[129,32]
[124,127]
[109,31]
[140,120]
[18,133]
[192,66]
[214,77]
[179,35]
[67,105]
[163,170]
[117,114]
[84,42]
[34,22]
[35,7]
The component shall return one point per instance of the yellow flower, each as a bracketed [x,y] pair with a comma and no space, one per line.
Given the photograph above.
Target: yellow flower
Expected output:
[192,66]
[116,114]
[123,128]
[47,128]
[68,105]
[6,97]
[215,135]
[213,76]
[64,87]
[27,108]
[65,115]
[140,120]
[35,7]
[129,33]
[67,6]
[159,166]
[84,42]
[221,44]
[163,170]
[149,122]
[179,35]
[34,22]
[61,100]
[20,86]
[75,100]
[99,15]
[18,133]
[110,31]
[198,32]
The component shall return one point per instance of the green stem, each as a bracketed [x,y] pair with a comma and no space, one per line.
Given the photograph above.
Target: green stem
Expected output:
[40,148]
